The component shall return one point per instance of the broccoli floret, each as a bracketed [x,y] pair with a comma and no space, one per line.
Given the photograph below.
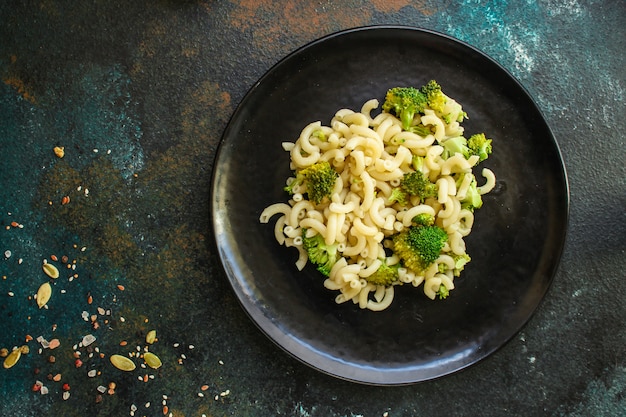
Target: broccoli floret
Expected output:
[443,292]
[319,180]
[420,129]
[435,98]
[424,219]
[454,145]
[405,102]
[417,184]
[479,145]
[459,263]
[385,275]
[417,162]
[473,199]
[419,246]
[322,255]
[397,195]
[319,133]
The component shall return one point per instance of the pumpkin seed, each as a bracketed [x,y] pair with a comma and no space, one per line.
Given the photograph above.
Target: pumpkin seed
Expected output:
[12,358]
[122,363]
[51,270]
[152,360]
[43,294]
[151,337]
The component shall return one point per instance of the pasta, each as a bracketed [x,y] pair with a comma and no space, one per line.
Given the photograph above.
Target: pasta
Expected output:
[371,154]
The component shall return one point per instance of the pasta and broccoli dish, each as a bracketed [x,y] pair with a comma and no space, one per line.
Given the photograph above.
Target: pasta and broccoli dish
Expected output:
[381,200]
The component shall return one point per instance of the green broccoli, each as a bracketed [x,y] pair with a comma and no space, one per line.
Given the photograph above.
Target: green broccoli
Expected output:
[419,246]
[319,180]
[459,263]
[417,162]
[443,292]
[322,255]
[424,219]
[397,195]
[319,134]
[405,102]
[420,129]
[473,200]
[385,274]
[417,184]
[435,98]
[479,145]
[453,145]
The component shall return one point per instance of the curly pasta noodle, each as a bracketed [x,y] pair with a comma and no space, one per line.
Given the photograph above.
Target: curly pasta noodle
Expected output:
[371,154]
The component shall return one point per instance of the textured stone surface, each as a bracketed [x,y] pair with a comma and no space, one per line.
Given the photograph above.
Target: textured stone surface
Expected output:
[139,93]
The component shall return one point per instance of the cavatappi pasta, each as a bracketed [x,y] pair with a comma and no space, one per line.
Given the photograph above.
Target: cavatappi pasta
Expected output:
[371,153]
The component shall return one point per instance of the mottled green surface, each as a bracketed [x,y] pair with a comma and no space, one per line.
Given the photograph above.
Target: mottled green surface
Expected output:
[139,93]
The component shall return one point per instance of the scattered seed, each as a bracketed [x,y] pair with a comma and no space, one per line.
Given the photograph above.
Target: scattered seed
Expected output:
[204,387]
[151,337]
[101,389]
[56,378]
[165,410]
[88,339]
[120,287]
[7,254]
[152,360]
[65,200]
[59,151]
[4,352]
[44,293]
[122,363]
[66,395]
[54,343]
[12,358]
[50,270]
[54,258]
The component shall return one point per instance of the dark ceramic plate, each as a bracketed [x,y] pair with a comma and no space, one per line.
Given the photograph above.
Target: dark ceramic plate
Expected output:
[516,242]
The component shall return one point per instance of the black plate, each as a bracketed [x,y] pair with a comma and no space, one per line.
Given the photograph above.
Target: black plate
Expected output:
[516,242]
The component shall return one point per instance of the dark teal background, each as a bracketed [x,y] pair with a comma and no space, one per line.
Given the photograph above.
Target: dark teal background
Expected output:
[139,93]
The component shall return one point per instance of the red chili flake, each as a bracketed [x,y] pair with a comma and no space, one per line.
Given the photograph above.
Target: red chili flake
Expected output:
[78,363]
[65,200]
[28,338]
[36,387]
[15,224]
[89,299]
[66,387]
